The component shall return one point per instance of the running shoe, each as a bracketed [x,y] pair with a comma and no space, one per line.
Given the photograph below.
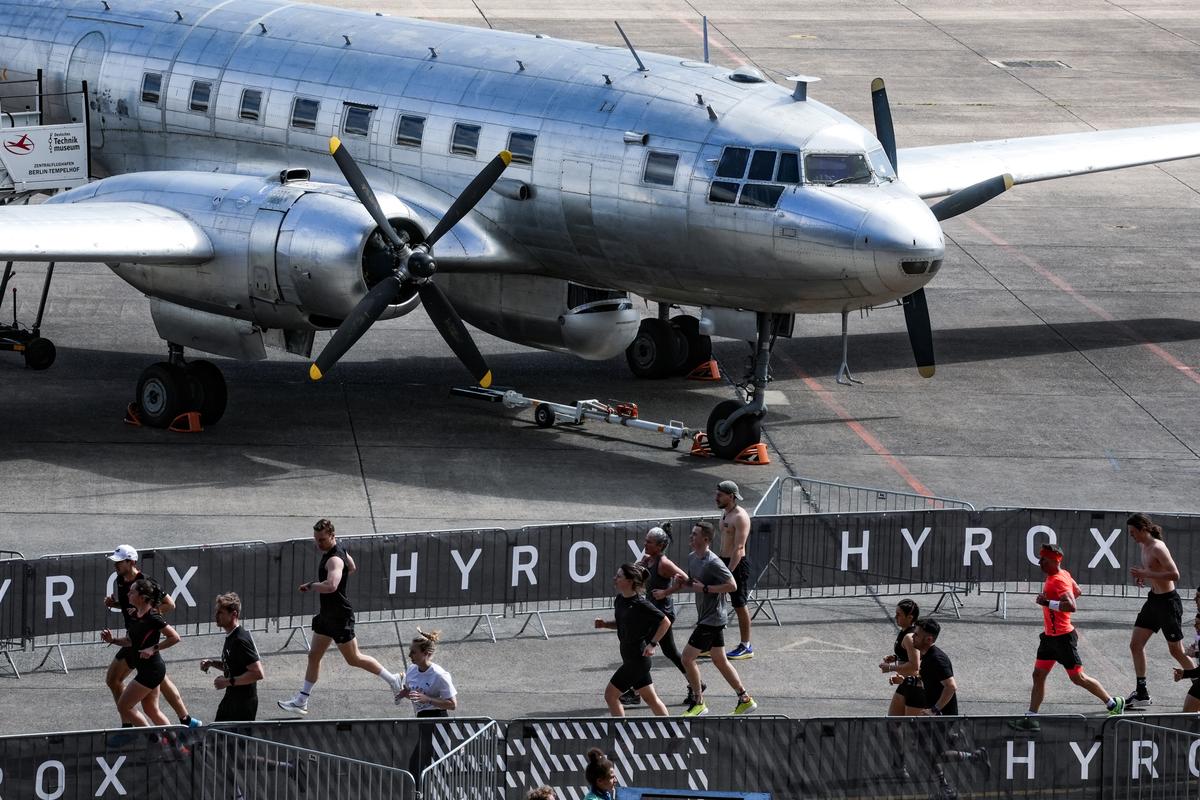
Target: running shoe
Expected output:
[696,710]
[980,756]
[746,706]
[740,652]
[1138,697]
[1025,724]
[690,700]
[1118,707]
[630,698]
[293,705]
[705,654]
[194,722]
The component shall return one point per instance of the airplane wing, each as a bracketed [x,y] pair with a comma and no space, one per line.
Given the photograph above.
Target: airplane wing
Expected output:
[944,169]
[128,233]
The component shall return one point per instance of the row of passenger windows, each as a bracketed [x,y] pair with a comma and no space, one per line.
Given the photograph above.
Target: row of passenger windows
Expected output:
[356,119]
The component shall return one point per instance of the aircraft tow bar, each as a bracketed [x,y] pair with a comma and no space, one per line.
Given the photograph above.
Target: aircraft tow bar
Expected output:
[546,413]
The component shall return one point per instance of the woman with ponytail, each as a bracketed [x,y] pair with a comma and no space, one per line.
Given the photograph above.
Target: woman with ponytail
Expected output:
[146,635]
[639,626]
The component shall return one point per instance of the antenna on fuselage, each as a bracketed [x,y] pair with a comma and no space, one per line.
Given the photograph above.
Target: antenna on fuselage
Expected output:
[705,20]
[629,44]
[800,93]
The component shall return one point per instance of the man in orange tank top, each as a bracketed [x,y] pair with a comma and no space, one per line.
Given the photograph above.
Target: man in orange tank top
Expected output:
[1058,642]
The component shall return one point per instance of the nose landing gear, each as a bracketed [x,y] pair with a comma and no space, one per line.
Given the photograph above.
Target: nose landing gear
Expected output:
[732,425]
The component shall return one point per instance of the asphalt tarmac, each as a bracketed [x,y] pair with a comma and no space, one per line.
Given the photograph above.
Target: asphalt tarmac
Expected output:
[1065,321]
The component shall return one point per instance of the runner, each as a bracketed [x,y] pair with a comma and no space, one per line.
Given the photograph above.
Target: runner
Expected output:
[662,571]
[432,692]
[1058,643]
[1191,702]
[146,635]
[1163,609]
[239,662]
[125,563]
[335,622]
[735,533]
[904,661]
[640,626]
[710,579]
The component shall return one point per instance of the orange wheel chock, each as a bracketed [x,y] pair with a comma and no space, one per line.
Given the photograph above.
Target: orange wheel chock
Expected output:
[187,422]
[754,454]
[708,371]
[133,415]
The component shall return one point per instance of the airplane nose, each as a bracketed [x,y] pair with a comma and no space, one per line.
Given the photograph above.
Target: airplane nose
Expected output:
[905,242]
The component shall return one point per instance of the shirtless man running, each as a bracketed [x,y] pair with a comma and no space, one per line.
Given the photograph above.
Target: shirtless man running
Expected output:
[1163,608]
[735,532]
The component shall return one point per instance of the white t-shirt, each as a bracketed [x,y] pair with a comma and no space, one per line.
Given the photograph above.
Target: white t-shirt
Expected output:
[434,681]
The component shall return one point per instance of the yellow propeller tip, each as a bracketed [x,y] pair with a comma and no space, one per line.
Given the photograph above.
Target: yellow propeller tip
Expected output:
[1008,181]
[876,84]
[506,157]
[334,144]
[314,373]
[486,380]
[926,372]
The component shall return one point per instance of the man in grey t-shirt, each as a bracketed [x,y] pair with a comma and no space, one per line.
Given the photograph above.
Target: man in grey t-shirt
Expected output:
[711,580]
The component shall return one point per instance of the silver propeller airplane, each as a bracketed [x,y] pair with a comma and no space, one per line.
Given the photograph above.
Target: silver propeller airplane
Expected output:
[213,122]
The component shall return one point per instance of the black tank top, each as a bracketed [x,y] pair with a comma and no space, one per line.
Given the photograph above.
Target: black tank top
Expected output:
[901,653]
[335,602]
[122,592]
[666,605]
[144,632]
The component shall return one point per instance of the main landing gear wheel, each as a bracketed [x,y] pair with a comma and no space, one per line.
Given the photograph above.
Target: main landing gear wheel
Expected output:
[744,432]
[162,394]
[652,354]
[206,387]
[39,353]
[692,349]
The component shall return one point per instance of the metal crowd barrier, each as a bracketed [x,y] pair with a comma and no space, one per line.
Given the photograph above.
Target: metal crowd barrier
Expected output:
[236,766]
[794,494]
[12,606]
[1152,761]
[470,771]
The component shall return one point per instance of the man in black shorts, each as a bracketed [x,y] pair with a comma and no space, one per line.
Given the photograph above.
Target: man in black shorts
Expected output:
[1163,609]
[335,622]
[710,579]
[735,534]
[239,662]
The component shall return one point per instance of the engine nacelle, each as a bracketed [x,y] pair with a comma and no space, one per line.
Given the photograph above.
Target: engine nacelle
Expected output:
[289,254]
[549,313]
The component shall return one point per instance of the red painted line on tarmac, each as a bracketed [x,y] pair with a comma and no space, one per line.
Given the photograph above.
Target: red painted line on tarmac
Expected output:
[1184,369]
[868,438]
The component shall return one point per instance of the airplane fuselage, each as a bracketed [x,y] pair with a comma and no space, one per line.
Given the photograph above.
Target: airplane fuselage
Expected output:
[621,166]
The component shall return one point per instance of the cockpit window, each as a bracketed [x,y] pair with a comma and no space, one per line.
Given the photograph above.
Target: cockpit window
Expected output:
[831,168]
[879,162]
[733,163]
[760,195]
[762,165]
[789,168]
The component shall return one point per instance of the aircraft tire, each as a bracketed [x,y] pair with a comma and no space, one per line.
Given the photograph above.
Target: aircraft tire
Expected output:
[694,349]
[162,394]
[39,353]
[745,431]
[206,385]
[652,353]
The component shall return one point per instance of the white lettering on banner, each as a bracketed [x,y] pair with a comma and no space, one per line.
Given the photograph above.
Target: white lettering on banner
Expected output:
[969,546]
[1027,759]
[64,599]
[915,547]
[571,562]
[1105,550]
[860,551]
[181,585]
[1051,538]
[1192,768]
[1139,759]
[109,588]
[465,569]
[110,775]
[637,551]
[40,780]
[1085,760]
[520,565]
[395,573]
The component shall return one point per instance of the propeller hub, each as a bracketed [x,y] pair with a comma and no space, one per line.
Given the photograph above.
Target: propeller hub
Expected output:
[421,265]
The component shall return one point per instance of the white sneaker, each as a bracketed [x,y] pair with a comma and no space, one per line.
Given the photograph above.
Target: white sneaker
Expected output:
[293,704]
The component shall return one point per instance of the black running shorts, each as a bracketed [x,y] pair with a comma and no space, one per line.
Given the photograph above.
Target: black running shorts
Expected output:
[912,691]
[706,637]
[237,709]
[633,674]
[336,627]
[1061,648]
[1162,612]
[151,673]
[741,574]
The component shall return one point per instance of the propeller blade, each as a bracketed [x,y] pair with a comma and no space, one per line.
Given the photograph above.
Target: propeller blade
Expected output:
[474,192]
[450,325]
[362,189]
[382,295]
[884,132]
[975,195]
[916,317]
